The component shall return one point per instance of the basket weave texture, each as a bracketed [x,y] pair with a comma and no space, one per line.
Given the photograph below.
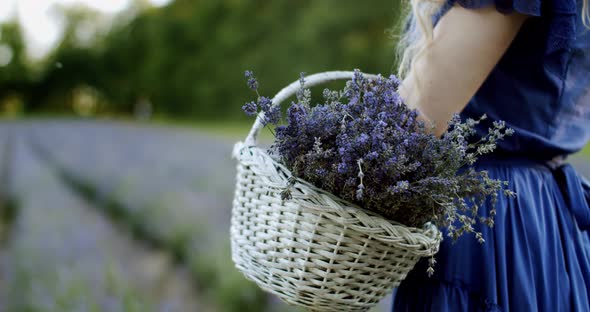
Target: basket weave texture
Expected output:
[315,250]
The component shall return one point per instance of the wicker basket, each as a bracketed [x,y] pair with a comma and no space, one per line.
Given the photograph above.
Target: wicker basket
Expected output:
[315,250]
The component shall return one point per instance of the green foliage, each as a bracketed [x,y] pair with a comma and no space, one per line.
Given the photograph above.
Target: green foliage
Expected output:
[188,58]
[15,71]
[226,285]
[71,65]
[15,78]
[585,152]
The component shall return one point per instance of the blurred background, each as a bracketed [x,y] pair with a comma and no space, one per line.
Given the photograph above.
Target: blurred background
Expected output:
[117,120]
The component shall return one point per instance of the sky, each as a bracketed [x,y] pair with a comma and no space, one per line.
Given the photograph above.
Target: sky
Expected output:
[42,29]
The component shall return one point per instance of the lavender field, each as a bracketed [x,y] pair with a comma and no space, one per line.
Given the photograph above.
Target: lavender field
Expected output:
[120,217]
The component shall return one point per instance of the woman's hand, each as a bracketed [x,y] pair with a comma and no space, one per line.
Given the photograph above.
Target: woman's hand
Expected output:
[467,44]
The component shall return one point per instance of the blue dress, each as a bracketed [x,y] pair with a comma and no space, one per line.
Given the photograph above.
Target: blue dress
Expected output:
[537,256]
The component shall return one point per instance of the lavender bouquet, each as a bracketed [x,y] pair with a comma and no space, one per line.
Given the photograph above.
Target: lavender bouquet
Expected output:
[364,145]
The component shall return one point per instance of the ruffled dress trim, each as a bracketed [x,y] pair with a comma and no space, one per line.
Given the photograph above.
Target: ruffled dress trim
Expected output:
[560,14]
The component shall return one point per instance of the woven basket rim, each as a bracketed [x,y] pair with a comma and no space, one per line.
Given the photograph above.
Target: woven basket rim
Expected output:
[430,231]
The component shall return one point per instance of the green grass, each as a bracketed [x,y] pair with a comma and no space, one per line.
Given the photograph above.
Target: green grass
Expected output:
[224,129]
[232,130]
[585,152]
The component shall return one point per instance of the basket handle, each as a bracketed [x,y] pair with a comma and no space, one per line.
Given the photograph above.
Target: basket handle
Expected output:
[291,89]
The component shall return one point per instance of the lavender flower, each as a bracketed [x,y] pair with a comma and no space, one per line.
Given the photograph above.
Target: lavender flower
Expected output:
[250,108]
[272,114]
[366,146]
[252,82]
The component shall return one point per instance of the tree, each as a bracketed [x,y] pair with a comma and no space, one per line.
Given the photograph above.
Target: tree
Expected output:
[15,76]
[188,58]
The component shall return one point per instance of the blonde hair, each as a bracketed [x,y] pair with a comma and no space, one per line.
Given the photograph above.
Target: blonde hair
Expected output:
[418,33]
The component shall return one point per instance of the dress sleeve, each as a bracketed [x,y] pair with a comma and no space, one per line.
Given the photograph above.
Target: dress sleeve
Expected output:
[527,7]
[560,15]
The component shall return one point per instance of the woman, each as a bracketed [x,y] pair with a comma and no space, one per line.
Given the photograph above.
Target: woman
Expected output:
[526,62]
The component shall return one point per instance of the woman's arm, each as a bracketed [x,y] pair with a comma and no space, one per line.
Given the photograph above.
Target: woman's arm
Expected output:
[466,46]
